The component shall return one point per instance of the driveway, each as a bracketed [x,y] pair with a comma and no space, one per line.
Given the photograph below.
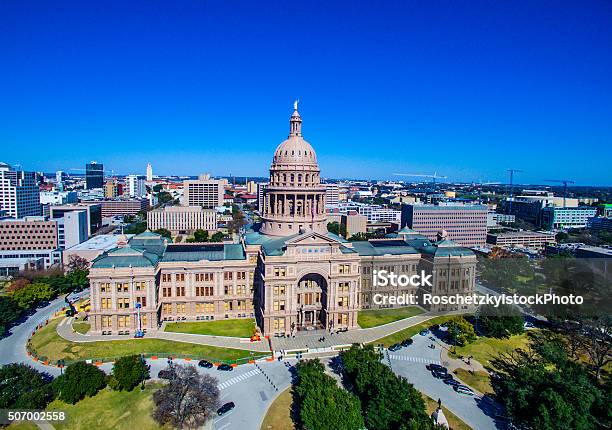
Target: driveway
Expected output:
[410,362]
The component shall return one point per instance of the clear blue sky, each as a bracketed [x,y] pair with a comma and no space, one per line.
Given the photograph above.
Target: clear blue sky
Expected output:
[464,88]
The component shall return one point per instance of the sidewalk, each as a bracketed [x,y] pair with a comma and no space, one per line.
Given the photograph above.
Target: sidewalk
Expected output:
[64,329]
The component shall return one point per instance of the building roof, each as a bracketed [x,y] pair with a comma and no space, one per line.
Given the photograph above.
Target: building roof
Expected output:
[125,257]
[206,252]
[102,242]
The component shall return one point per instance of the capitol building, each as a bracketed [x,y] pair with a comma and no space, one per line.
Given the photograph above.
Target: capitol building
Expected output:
[289,273]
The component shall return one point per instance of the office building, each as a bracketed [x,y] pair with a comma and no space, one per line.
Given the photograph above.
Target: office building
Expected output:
[58,197]
[494,219]
[289,273]
[49,257]
[28,233]
[111,189]
[354,223]
[72,229]
[522,239]
[203,191]
[332,194]
[465,224]
[599,224]
[182,219]
[261,189]
[93,211]
[556,218]
[149,172]
[19,193]
[120,206]
[59,180]
[94,175]
[251,187]
[135,186]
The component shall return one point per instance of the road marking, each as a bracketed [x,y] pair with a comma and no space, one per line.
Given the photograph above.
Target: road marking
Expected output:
[413,359]
[240,378]
[223,426]
[224,416]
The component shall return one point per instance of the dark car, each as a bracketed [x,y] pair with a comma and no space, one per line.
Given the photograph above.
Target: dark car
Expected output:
[432,366]
[435,327]
[449,380]
[225,367]
[165,374]
[407,342]
[395,347]
[206,364]
[439,374]
[226,408]
[424,332]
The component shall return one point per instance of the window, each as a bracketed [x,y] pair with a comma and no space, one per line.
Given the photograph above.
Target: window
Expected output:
[181,307]
[106,321]
[122,287]
[140,285]
[344,268]
[204,291]
[279,323]
[105,303]
[241,305]
[124,321]
[166,277]
[279,305]
[180,291]
[240,275]
[123,303]
[241,289]
[343,302]
[203,277]
[180,277]
[342,319]
[205,307]
[279,290]
[105,287]
[167,308]
[166,291]
[229,290]
[142,300]
[343,287]
[228,306]
[280,271]
[228,276]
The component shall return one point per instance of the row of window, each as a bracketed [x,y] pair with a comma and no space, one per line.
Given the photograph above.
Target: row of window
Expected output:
[204,277]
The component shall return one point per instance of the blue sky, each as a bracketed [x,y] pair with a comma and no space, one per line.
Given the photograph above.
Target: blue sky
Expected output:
[464,88]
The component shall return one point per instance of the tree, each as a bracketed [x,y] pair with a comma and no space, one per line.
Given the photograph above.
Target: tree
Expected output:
[217,237]
[9,313]
[542,389]
[461,331]
[334,227]
[164,197]
[136,228]
[597,342]
[379,389]
[188,401]
[322,404]
[500,321]
[200,236]
[128,372]
[157,188]
[21,386]
[79,380]
[77,263]
[164,233]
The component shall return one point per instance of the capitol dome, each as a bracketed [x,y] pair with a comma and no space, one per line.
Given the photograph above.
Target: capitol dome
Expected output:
[295,150]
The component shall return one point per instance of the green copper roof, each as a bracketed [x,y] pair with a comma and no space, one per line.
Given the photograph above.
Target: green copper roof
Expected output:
[126,256]
[383,247]
[208,252]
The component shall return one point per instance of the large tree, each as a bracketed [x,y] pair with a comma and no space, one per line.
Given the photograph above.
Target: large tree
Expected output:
[379,390]
[500,321]
[9,313]
[79,380]
[128,372]
[461,331]
[188,401]
[321,403]
[21,386]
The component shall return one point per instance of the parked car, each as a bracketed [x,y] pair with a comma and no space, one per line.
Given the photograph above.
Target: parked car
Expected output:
[205,363]
[432,366]
[395,347]
[439,374]
[424,332]
[226,408]
[434,327]
[463,389]
[449,380]
[225,367]
[407,342]
[529,324]
[165,374]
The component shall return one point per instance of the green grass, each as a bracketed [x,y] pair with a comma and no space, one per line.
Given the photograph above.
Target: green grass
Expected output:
[375,317]
[484,349]
[278,416]
[232,328]
[411,331]
[116,410]
[47,343]
[453,420]
[81,327]
[478,380]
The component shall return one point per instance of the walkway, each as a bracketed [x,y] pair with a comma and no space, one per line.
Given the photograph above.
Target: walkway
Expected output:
[64,329]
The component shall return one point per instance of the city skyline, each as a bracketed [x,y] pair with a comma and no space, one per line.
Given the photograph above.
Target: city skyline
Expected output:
[465,92]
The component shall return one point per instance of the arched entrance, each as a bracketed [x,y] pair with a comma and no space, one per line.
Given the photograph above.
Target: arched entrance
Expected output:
[312,302]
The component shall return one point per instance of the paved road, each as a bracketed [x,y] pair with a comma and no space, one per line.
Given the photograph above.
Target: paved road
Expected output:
[12,347]
[410,362]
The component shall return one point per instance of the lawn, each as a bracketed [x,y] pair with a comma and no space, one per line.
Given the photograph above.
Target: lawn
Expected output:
[478,380]
[375,317]
[81,327]
[278,416]
[453,420]
[232,328]
[484,349]
[47,343]
[411,331]
[117,410]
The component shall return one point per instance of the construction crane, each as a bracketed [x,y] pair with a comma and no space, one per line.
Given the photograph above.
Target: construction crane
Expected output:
[418,175]
[564,182]
[512,172]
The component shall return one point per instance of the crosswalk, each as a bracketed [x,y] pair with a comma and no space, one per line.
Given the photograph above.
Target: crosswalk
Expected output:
[244,376]
[413,359]
[65,321]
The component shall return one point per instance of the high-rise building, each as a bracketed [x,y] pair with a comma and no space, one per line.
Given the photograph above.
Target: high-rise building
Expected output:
[261,188]
[564,218]
[149,172]
[19,192]
[465,224]
[251,187]
[93,211]
[110,189]
[204,191]
[59,180]
[135,186]
[94,175]
[332,194]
